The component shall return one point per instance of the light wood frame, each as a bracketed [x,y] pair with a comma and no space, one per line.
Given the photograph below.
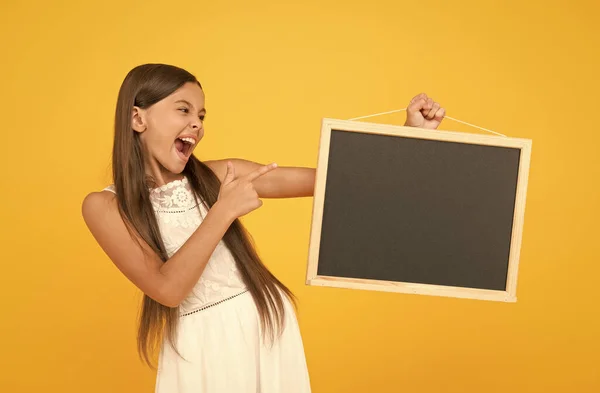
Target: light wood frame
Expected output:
[509,295]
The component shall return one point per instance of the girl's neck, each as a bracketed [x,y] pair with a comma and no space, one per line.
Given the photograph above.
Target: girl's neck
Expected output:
[157,175]
[158,178]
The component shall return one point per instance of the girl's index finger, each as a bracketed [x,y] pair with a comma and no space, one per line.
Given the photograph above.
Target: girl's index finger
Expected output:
[260,171]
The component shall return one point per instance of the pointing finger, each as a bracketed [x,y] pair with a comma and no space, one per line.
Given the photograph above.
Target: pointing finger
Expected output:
[260,171]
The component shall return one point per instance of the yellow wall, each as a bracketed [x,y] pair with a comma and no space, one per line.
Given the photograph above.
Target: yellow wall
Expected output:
[271,72]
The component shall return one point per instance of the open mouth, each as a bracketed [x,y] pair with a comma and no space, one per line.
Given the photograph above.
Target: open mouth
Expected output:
[184,147]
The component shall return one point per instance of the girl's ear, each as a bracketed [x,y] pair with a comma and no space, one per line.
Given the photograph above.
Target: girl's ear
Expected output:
[138,119]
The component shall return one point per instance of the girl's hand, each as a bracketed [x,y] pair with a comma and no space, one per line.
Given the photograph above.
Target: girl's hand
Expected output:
[239,195]
[423,112]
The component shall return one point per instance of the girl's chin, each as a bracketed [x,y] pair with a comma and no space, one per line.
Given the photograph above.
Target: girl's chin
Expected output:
[174,165]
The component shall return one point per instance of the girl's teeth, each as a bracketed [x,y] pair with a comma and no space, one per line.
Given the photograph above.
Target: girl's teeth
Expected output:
[188,140]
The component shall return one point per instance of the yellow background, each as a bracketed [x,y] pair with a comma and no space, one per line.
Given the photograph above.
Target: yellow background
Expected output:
[271,72]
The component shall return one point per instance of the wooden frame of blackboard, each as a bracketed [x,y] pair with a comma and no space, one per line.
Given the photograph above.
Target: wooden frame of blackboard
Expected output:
[507,295]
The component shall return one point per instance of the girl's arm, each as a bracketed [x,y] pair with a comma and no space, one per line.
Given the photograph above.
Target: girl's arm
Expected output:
[291,182]
[283,182]
[169,283]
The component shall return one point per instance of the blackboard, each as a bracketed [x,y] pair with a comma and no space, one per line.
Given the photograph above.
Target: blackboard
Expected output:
[418,211]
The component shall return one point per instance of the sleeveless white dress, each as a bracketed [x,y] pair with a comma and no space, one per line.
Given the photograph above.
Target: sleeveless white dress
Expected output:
[219,334]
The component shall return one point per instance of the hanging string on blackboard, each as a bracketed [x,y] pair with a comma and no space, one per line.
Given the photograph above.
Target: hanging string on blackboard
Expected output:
[446,117]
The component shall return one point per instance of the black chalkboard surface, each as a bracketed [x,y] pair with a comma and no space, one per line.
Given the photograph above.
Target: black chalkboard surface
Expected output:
[418,211]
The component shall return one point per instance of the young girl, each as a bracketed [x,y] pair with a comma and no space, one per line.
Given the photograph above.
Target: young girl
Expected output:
[219,319]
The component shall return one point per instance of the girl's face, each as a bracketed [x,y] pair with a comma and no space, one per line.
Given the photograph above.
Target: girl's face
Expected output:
[170,130]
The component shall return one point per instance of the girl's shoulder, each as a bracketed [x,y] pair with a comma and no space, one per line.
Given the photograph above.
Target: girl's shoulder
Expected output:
[97,202]
[97,205]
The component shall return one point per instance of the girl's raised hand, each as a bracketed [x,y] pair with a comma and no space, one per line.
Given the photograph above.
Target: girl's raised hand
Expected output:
[424,112]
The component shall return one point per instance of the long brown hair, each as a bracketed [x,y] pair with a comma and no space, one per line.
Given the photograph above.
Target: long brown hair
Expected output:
[144,86]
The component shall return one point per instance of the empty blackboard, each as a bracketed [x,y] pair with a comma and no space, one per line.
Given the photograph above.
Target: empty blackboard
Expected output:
[418,211]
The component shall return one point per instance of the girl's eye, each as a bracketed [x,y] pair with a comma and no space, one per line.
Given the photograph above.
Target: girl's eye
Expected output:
[202,118]
[184,110]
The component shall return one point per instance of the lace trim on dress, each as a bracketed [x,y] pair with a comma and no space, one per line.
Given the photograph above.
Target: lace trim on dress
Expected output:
[176,194]
[174,201]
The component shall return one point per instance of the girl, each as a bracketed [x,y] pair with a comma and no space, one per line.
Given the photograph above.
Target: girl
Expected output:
[170,223]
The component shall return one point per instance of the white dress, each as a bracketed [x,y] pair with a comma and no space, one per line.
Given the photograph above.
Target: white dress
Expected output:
[219,332]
